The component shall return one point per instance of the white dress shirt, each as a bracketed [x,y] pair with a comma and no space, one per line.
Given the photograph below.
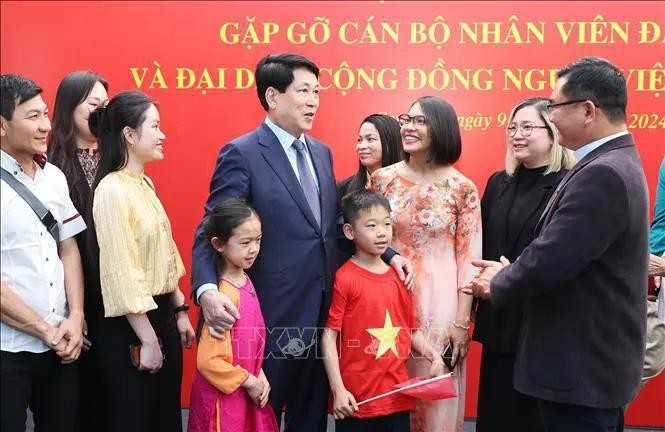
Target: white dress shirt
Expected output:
[31,266]
[286,140]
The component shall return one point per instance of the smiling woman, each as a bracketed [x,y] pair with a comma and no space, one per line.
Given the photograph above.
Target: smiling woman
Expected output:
[514,199]
[145,320]
[379,144]
[73,149]
[436,222]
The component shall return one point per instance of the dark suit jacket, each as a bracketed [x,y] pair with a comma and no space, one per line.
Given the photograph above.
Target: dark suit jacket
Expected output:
[92,300]
[499,329]
[583,280]
[294,271]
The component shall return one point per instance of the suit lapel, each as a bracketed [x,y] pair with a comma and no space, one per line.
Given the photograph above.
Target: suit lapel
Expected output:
[276,158]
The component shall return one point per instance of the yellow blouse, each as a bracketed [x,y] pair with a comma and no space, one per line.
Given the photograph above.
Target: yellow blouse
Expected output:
[138,258]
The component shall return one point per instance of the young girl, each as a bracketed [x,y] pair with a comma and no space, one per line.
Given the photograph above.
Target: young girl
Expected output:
[230,390]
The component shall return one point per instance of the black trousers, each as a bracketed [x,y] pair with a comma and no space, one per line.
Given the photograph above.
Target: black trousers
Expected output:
[559,417]
[138,401]
[299,389]
[501,407]
[397,422]
[41,382]
[92,394]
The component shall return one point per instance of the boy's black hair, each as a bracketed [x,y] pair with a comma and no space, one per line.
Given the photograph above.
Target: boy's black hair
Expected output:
[362,200]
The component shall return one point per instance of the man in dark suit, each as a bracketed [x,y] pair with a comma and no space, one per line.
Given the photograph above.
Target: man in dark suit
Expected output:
[287,177]
[583,279]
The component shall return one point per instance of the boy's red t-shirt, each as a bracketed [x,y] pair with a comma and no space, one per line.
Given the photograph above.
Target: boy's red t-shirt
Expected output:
[374,316]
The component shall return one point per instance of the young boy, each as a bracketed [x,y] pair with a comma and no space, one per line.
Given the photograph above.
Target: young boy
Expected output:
[372,313]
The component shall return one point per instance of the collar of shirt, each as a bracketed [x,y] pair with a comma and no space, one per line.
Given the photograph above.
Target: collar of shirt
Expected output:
[286,141]
[285,138]
[588,148]
[35,272]
[11,164]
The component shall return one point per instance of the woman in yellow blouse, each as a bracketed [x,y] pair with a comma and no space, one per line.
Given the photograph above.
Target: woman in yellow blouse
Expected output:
[146,324]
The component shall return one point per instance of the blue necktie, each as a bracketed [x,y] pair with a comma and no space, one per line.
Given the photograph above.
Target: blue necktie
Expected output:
[307,181]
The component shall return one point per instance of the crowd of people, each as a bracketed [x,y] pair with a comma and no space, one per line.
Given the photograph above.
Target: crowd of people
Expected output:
[315,295]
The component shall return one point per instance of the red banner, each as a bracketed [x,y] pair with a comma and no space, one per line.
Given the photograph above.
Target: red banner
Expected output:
[197,60]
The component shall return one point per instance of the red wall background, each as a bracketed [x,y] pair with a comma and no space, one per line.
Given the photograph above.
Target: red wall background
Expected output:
[47,40]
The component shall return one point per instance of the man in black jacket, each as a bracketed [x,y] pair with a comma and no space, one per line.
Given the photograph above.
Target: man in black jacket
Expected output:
[582,280]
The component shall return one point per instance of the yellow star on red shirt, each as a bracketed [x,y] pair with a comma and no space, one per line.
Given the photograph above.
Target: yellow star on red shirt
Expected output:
[386,335]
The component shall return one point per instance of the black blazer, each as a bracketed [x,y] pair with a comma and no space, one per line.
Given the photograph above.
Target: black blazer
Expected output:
[499,329]
[92,300]
[583,283]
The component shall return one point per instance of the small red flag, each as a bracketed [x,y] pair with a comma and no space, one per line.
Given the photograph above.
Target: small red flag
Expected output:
[441,387]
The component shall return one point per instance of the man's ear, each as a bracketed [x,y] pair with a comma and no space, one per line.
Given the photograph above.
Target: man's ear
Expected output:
[590,112]
[217,244]
[3,126]
[348,231]
[271,97]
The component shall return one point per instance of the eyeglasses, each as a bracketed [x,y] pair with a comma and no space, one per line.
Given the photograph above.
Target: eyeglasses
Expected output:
[418,120]
[525,129]
[550,106]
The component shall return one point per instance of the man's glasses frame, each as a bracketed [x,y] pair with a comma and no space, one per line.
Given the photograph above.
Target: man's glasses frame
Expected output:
[550,106]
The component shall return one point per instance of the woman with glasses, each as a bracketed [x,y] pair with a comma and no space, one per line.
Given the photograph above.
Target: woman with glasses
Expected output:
[513,201]
[436,225]
[73,149]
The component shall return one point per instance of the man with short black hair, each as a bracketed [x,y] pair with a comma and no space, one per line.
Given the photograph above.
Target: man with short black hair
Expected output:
[41,305]
[583,279]
[287,177]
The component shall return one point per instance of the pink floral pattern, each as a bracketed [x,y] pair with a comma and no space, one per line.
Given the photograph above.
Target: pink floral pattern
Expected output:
[437,226]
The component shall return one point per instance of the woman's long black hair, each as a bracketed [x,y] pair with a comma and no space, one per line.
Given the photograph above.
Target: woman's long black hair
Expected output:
[72,91]
[391,147]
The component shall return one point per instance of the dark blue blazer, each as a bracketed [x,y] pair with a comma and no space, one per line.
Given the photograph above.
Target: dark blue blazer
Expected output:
[294,271]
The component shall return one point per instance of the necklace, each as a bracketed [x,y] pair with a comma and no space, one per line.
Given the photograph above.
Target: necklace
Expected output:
[239,285]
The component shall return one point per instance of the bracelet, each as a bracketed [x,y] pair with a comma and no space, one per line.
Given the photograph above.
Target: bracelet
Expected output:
[460,326]
[182,308]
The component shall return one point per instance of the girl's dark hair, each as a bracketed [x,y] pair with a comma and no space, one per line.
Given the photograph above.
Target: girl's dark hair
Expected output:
[220,222]
[72,91]
[443,126]
[223,219]
[391,147]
